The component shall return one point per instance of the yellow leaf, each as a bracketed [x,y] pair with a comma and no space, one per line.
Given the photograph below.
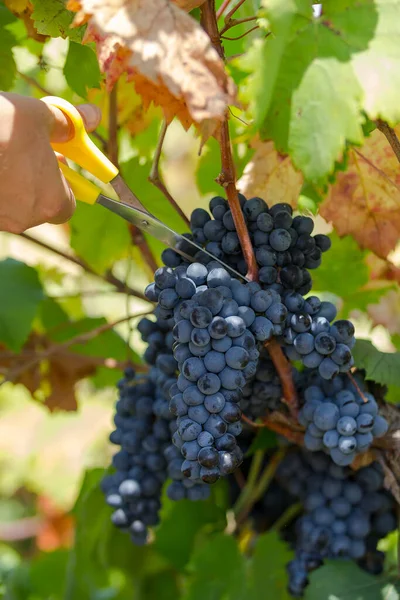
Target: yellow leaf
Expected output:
[270,175]
[17,6]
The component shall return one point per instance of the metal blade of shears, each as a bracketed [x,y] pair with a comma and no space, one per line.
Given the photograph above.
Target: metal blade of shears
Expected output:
[151,225]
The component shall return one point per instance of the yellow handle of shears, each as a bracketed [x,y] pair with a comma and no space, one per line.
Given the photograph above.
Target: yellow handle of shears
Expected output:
[83,152]
[84,190]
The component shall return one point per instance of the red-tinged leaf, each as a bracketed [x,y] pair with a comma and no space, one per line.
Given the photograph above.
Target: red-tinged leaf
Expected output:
[365,200]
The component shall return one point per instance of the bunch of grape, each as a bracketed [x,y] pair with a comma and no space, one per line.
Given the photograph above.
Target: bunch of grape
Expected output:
[343,511]
[134,489]
[340,418]
[310,337]
[159,337]
[284,247]
[218,321]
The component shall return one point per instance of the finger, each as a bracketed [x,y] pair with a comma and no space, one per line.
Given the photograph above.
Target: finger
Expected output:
[91,115]
[55,201]
[62,129]
[67,205]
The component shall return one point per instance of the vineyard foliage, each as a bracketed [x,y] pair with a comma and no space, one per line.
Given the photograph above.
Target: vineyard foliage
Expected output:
[311,98]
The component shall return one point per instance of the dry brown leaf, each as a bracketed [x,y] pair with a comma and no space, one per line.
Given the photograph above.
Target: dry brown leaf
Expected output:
[165,52]
[188,4]
[271,176]
[57,381]
[365,200]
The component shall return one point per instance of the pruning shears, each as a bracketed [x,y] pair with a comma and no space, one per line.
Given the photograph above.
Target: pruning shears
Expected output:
[84,152]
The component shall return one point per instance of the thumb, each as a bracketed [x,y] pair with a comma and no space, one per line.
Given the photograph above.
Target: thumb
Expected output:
[61,128]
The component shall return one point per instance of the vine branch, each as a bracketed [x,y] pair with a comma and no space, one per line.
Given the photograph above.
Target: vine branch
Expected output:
[156,179]
[227,177]
[391,136]
[233,22]
[222,8]
[108,277]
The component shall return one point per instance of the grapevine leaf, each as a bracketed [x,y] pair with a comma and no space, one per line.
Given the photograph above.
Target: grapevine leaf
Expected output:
[98,236]
[372,31]
[271,176]
[50,17]
[161,586]
[136,175]
[344,272]
[208,579]
[6,16]
[340,580]
[209,168]
[365,200]
[176,535]
[382,367]
[274,552]
[20,296]
[81,69]
[8,68]
[47,574]
[306,57]
[334,57]
[185,75]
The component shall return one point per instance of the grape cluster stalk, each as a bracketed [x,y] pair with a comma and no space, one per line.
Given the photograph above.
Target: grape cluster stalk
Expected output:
[181,425]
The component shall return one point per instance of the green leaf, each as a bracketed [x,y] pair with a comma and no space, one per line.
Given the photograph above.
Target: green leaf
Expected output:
[341,580]
[271,551]
[98,236]
[136,175]
[161,586]
[208,168]
[50,17]
[264,440]
[81,69]
[344,272]
[176,535]
[218,571]
[47,574]
[328,74]
[20,296]
[381,367]
[8,67]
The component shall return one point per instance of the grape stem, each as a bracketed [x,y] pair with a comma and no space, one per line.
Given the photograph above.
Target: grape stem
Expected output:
[257,486]
[284,369]
[359,390]
[227,176]
[156,179]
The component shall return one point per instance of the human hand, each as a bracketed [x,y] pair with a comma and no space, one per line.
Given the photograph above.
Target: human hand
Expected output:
[32,188]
